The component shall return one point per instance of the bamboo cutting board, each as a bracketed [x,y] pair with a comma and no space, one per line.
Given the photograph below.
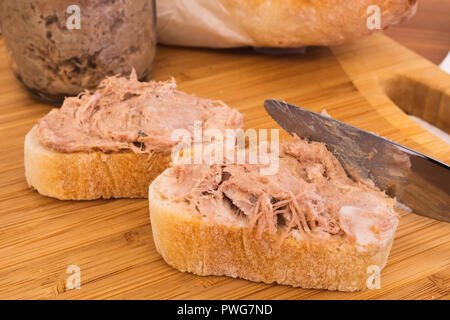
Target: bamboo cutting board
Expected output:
[111,241]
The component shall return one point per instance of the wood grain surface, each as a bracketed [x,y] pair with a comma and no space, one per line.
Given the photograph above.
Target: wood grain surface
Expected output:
[428,32]
[111,241]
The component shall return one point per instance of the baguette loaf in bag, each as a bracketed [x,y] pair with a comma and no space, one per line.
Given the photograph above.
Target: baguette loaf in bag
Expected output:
[274,23]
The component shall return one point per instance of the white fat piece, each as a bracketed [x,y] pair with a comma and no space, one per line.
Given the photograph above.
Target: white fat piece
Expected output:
[364,226]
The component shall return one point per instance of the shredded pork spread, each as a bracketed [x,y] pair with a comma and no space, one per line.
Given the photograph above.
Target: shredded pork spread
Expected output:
[54,60]
[125,114]
[311,195]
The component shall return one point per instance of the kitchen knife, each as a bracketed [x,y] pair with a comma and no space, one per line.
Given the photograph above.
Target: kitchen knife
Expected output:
[416,180]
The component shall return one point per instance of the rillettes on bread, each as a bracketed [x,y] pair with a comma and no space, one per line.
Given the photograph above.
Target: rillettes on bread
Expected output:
[308,225]
[112,143]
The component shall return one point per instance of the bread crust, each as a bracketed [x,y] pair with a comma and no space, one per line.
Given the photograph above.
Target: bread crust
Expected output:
[190,243]
[294,23]
[89,175]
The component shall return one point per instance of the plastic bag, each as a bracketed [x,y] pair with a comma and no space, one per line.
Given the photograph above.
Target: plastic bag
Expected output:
[199,23]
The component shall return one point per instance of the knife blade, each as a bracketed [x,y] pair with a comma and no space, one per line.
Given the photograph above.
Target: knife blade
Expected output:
[416,180]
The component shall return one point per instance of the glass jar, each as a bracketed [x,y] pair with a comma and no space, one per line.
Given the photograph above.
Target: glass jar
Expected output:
[59,49]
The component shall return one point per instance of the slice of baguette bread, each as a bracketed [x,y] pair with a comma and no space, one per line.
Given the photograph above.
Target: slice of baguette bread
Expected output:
[190,244]
[222,243]
[112,143]
[90,175]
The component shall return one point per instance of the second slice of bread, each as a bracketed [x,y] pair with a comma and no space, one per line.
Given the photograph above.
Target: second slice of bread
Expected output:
[90,175]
